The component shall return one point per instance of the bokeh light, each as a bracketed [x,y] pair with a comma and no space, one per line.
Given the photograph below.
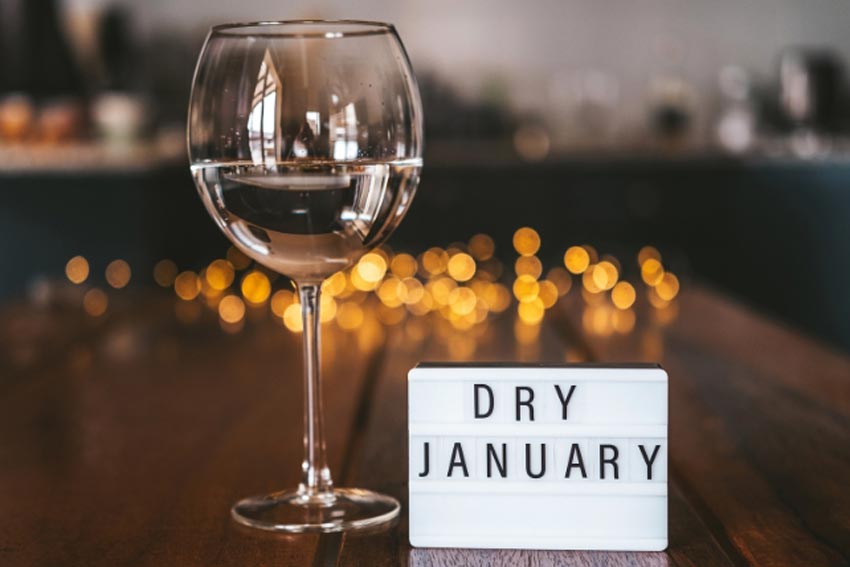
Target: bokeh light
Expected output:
[77,269]
[528,265]
[482,247]
[334,285]
[231,309]
[605,275]
[187,285]
[531,312]
[434,261]
[371,268]
[95,302]
[623,295]
[526,241]
[281,299]
[164,273]
[576,259]
[256,287]
[237,258]
[292,318]
[562,280]
[403,266]
[648,252]
[668,287]
[118,274]
[219,275]
[461,267]
[652,272]
[548,293]
[526,289]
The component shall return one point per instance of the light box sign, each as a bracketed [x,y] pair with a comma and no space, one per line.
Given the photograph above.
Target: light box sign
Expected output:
[538,457]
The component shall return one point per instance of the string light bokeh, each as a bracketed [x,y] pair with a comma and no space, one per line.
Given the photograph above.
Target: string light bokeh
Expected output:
[451,293]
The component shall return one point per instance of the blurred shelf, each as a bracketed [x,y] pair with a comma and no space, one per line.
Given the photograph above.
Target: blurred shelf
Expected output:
[91,157]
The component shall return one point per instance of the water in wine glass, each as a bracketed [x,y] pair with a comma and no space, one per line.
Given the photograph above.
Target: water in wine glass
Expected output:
[307,219]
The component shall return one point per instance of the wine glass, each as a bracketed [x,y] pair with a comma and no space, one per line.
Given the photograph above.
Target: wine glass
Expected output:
[305,142]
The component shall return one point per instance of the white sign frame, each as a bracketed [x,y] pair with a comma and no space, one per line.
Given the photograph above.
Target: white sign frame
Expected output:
[569,456]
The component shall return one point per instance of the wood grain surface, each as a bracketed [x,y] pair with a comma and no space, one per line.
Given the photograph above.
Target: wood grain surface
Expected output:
[125,439]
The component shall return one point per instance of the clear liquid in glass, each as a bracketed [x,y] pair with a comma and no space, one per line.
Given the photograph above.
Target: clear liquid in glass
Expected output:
[307,219]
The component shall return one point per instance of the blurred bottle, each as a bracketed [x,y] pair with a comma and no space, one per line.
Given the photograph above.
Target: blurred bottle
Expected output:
[38,71]
[809,90]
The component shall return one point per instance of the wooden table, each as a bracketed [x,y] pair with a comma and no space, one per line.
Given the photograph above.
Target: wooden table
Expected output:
[124,439]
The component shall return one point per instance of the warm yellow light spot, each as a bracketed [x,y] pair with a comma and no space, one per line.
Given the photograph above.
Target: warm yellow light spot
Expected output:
[256,287]
[118,273]
[605,275]
[434,261]
[219,275]
[403,266]
[668,288]
[384,252]
[482,247]
[334,285]
[461,267]
[440,289]
[95,302]
[526,241]
[77,269]
[327,309]
[528,266]
[371,268]
[359,284]
[623,295]
[392,292]
[652,272]
[562,280]
[231,309]
[648,252]
[187,286]
[548,293]
[623,320]
[349,316]
[281,299]
[237,258]
[576,259]
[413,290]
[164,273]
[462,301]
[212,295]
[526,289]
[589,282]
[531,312]
[292,318]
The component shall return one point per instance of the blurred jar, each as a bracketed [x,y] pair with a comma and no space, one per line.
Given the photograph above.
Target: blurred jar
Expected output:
[120,117]
[736,123]
[17,116]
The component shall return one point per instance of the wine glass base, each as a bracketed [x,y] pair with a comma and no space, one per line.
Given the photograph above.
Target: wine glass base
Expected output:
[294,512]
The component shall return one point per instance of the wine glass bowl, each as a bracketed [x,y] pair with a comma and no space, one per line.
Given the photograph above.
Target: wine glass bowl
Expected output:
[305,143]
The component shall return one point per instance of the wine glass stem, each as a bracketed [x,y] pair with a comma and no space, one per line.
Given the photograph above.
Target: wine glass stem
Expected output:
[316,484]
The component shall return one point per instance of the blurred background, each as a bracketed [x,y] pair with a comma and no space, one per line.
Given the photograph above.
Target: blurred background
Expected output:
[718,133]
